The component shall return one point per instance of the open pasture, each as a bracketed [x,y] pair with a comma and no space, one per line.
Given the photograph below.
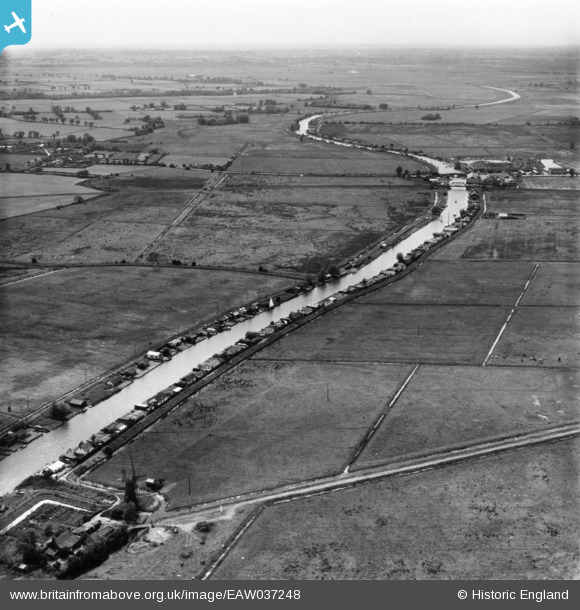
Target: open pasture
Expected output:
[262,425]
[449,334]
[313,182]
[29,193]
[551,182]
[450,407]
[546,239]
[187,137]
[509,516]
[112,228]
[535,203]
[451,141]
[457,283]
[315,157]
[59,326]
[554,285]
[540,337]
[290,228]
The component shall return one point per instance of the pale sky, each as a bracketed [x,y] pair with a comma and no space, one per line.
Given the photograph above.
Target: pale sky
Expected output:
[194,23]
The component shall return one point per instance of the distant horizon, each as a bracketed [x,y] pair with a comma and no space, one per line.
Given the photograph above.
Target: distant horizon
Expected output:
[292,46]
[70,24]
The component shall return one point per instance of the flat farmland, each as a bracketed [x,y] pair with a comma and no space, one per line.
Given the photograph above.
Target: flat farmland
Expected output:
[180,160]
[60,324]
[512,516]
[555,284]
[535,105]
[551,182]
[113,228]
[443,140]
[282,181]
[27,193]
[296,228]
[536,203]
[316,158]
[395,333]
[449,407]
[300,250]
[457,283]
[540,336]
[184,136]
[24,185]
[261,425]
[535,239]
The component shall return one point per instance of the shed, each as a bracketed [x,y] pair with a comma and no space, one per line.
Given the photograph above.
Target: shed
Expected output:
[79,403]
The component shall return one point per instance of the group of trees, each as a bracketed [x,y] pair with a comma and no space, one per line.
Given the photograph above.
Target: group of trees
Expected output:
[228,119]
[150,124]
[402,173]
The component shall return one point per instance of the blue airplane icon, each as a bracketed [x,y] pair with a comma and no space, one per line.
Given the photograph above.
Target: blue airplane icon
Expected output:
[17,22]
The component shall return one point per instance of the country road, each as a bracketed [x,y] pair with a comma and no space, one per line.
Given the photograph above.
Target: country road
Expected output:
[226,507]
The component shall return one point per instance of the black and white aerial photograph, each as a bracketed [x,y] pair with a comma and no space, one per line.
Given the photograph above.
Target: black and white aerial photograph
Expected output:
[290,291]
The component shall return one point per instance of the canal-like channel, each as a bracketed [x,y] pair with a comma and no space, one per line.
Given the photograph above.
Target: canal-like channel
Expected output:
[47,448]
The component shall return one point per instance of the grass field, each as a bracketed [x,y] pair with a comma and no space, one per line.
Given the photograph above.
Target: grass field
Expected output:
[535,239]
[541,336]
[27,193]
[290,228]
[115,227]
[555,284]
[259,426]
[445,407]
[61,325]
[319,158]
[511,516]
[449,334]
[450,141]
[457,283]
[25,185]
[551,182]
[536,203]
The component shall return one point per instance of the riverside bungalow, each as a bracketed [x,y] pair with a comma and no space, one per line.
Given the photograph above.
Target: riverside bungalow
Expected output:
[115,428]
[101,438]
[84,450]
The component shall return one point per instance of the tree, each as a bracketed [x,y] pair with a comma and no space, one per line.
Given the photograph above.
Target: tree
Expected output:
[59,411]
[399,171]
[572,172]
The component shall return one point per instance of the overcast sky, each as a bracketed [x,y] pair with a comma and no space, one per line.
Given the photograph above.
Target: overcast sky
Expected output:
[192,23]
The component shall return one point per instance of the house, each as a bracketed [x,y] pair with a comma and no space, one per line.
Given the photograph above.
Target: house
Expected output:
[158,356]
[67,543]
[84,450]
[101,438]
[54,467]
[115,428]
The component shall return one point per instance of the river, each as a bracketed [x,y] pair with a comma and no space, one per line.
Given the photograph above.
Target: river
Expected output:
[50,446]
